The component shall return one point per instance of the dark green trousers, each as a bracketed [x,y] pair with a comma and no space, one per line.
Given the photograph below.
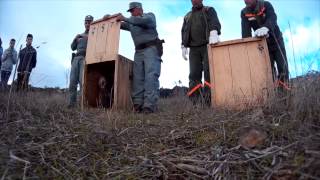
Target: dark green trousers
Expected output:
[198,61]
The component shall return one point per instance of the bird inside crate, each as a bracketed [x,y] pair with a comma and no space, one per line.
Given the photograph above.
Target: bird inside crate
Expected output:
[105,93]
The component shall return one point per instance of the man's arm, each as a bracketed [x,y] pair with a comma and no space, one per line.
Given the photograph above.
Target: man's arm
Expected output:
[75,43]
[245,26]
[14,57]
[271,17]
[19,56]
[5,55]
[213,20]
[1,54]
[146,21]
[182,30]
[125,26]
[34,59]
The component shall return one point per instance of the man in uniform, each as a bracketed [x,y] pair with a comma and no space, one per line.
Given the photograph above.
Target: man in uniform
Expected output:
[200,27]
[79,43]
[147,58]
[28,61]
[259,15]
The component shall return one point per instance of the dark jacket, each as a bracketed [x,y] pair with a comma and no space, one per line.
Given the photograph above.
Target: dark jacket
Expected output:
[1,51]
[210,19]
[262,16]
[28,59]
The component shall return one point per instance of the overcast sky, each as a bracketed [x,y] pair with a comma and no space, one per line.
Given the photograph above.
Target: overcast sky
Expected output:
[58,21]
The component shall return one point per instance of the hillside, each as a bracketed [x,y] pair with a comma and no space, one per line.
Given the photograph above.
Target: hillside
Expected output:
[43,139]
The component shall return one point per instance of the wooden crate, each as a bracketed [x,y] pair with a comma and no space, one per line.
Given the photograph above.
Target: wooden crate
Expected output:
[102,59]
[240,73]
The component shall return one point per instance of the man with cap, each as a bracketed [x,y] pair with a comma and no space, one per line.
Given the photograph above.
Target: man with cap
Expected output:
[79,44]
[200,27]
[147,57]
[259,15]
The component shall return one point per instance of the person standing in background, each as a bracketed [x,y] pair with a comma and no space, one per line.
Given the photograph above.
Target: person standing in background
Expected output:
[1,51]
[79,43]
[8,60]
[28,61]
[200,27]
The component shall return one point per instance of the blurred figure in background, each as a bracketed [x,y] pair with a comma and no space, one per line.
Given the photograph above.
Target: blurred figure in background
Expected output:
[1,51]
[9,58]
[28,61]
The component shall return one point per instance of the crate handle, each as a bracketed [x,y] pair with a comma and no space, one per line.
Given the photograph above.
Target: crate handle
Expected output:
[102,27]
[260,47]
[92,32]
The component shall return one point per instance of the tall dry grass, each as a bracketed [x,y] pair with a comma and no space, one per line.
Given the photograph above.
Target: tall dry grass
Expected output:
[43,139]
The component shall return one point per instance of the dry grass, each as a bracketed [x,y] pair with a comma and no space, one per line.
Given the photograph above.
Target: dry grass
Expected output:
[42,139]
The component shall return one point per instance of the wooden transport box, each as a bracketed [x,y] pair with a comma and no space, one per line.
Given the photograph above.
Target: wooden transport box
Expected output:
[107,75]
[240,73]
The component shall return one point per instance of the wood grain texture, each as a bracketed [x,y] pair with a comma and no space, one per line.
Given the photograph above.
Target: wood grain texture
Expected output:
[221,74]
[103,41]
[123,83]
[236,41]
[240,72]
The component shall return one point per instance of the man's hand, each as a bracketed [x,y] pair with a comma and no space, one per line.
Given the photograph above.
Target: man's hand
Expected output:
[184,52]
[261,32]
[214,37]
[120,17]
[77,38]
[10,54]
[85,37]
